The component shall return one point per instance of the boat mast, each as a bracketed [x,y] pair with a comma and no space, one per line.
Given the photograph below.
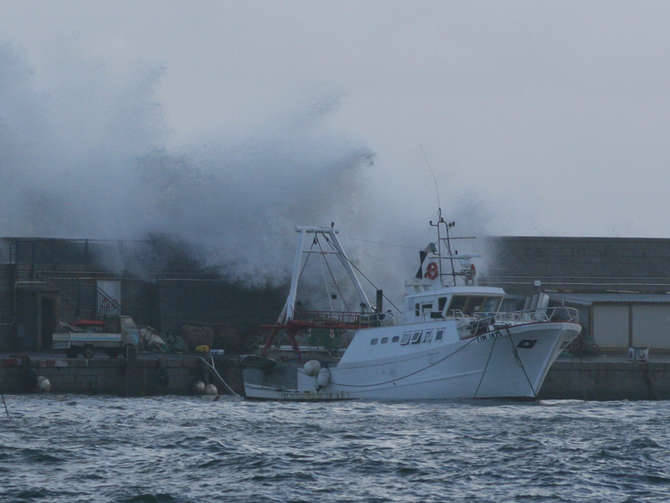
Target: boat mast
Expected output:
[447,225]
[451,255]
[346,263]
[289,308]
[330,233]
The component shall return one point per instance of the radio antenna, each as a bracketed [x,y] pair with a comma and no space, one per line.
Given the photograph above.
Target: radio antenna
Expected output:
[432,174]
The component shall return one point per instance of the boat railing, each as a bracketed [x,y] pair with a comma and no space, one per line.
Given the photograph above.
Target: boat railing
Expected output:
[345,319]
[483,322]
[558,313]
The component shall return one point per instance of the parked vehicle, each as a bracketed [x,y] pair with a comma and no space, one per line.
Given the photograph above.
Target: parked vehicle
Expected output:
[88,336]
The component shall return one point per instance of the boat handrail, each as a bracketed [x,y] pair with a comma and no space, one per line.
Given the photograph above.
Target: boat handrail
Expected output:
[557,313]
[352,318]
[483,322]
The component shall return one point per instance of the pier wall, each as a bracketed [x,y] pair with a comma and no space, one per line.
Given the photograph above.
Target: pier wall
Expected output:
[607,380]
[597,379]
[159,376]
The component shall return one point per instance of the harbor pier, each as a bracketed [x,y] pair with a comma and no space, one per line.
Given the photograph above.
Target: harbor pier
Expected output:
[596,378]
[152,374]
[608,378]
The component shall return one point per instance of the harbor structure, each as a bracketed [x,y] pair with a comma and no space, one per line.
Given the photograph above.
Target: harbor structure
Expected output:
[45,281]
[618,285]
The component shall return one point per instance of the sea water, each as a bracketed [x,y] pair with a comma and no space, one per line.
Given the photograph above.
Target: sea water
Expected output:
[181,449]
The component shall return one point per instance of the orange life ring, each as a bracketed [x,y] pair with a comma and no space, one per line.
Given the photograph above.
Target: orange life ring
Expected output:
[431,271]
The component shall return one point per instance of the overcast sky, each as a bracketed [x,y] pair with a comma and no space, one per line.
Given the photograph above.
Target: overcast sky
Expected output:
[546,118]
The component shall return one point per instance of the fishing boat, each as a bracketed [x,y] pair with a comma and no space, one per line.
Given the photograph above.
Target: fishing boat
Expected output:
[450,341]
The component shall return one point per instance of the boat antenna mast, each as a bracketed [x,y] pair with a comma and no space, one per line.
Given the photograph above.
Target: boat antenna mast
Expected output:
[447,225]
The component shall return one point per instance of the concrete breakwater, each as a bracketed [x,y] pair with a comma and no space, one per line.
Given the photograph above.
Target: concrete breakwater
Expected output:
[608,378]
[599,378]
[147,375]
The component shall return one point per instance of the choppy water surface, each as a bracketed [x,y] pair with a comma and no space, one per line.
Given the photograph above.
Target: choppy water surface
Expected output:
[77,448]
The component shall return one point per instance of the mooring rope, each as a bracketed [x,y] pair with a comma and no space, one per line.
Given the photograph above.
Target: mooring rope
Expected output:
[216,373]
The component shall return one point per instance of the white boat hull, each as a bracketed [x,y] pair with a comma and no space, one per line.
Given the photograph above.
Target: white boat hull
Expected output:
[507,363]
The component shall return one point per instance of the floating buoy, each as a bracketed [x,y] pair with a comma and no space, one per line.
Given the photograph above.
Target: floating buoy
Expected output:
[43,384]
[312,368]
[211,389]
[198,387]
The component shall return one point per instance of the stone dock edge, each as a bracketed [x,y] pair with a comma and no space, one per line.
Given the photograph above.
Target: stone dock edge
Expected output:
[595,379]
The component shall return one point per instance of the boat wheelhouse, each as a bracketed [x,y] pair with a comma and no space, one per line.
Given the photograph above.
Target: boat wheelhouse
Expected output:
[452,302]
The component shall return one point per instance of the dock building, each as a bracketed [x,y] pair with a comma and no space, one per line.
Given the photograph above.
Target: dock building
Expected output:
[157,282]
[621,286]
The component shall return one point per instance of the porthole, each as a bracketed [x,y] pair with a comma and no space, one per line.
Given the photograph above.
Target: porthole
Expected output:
[396,338]
[385,340]
[374,341]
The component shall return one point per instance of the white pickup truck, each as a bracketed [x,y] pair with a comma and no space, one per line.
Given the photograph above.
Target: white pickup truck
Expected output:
[88,337]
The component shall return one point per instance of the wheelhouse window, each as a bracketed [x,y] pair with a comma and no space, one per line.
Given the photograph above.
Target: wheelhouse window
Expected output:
[427,336]
[491,305]
[417,309]
[457,305]
[416,338]
[405,338]
[396,338]
[438,335]
[471,304]
[374,341]
[385,340]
